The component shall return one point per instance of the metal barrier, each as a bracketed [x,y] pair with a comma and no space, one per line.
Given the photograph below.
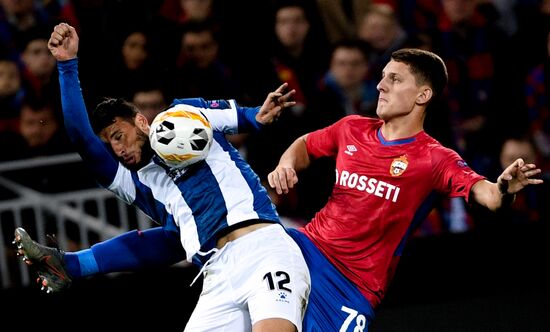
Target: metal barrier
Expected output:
[78,217]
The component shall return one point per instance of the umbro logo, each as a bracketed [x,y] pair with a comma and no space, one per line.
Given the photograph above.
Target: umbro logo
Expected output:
[350,149]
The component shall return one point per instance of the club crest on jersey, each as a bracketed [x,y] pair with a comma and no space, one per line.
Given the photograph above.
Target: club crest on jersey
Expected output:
[398,166]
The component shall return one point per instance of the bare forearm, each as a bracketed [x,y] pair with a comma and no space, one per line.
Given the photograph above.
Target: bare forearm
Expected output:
[296,156]
[293,160]
[488,195]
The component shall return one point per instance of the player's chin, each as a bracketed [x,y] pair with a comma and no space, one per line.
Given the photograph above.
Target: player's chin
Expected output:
[380,113]
[133,163]
[128,164]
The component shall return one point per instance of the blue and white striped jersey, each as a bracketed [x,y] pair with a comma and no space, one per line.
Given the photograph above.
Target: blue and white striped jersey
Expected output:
[205,199]
[200,202]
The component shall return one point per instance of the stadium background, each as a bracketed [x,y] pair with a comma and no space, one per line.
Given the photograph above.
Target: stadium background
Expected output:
[489,273]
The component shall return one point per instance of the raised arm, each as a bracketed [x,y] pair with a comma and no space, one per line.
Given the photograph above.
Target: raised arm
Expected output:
[293,160]
[63,44]
[502,193]
[230,118]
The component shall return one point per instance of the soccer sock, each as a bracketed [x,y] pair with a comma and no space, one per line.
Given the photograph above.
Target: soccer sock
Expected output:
[81,263]
[126,252]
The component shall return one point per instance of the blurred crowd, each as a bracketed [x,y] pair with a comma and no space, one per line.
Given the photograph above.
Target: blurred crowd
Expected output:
[331,52]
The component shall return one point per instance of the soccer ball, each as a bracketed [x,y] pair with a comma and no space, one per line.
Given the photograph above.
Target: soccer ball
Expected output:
[181,136]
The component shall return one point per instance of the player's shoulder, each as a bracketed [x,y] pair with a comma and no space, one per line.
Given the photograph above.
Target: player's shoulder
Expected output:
[361,118]
[359,121]
[429,141]
[433,146]
[439,152]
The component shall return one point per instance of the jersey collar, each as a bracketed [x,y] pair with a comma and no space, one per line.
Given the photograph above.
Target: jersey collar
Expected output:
[394,142]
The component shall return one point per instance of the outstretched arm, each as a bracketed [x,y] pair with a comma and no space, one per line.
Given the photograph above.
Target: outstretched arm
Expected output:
[502,193]
[230,118]
[63,44]
[293,160]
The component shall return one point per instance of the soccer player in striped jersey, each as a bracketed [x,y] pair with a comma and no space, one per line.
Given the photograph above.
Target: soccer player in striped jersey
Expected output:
[386,169]
[215,213]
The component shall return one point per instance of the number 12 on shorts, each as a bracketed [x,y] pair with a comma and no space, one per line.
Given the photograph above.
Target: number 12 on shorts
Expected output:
[353,315]
[281,278]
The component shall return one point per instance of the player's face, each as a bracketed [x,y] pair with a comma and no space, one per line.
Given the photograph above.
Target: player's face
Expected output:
[399,91]
[129,141]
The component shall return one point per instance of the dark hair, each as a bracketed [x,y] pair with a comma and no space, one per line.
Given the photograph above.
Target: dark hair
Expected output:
[426,66]
[105,113]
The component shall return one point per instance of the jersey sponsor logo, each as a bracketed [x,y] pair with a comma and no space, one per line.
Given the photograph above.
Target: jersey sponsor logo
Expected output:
[350,149]
[398,166]
[371,185]
[461,163]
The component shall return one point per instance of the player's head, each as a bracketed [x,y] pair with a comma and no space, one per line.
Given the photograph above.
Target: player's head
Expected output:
[427,68]
[410,82]
[120,125]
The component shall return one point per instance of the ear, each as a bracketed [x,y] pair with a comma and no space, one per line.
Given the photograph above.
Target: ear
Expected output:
[425,95]
[142,123]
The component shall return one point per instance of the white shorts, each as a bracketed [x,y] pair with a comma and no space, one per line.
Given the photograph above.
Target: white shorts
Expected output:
[258,276]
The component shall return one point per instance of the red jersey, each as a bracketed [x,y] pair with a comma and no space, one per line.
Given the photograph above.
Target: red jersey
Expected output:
[380,185]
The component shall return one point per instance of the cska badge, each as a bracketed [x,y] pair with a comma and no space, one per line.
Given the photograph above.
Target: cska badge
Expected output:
[398,166]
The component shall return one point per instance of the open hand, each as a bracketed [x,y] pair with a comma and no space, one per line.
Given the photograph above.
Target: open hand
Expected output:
[273,105]
[517,176]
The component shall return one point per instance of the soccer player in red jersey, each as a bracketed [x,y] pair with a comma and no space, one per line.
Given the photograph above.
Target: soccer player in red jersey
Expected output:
[386,168]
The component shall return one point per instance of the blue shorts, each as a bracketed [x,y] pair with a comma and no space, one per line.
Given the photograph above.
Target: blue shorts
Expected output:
[335,303]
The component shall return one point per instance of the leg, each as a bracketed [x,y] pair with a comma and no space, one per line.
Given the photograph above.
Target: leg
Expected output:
[274,324]
[216,311]
[275,283]
[259,282]
[335,303]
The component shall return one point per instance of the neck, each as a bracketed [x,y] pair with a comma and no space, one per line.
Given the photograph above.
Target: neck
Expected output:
[400,128]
